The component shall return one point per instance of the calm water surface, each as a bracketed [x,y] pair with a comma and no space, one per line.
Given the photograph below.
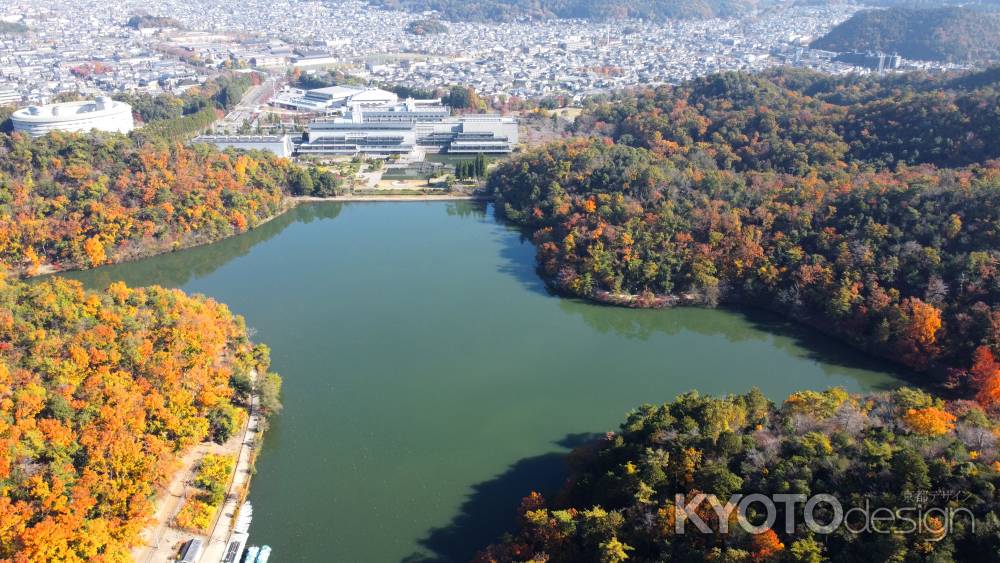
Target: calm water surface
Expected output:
[431,381]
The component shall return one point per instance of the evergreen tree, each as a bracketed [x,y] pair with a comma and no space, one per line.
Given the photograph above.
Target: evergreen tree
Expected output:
[303,183]
[480,165]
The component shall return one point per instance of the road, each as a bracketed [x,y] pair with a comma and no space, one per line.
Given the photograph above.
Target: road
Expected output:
[216,548]
[253,98]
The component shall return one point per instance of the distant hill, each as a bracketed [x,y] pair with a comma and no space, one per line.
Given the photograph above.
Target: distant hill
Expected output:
[512,10]
[146,21]
[950,34]
[978,4]
[924,4]
[12,27]
[426,27]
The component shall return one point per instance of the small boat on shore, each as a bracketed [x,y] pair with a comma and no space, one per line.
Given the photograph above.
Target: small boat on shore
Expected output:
[244,518]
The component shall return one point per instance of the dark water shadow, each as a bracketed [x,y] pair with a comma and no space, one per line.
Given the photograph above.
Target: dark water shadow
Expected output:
[176,269]
[833,354]
[743,324]
[829,350]
[491,508]
[518,255]
[476,209]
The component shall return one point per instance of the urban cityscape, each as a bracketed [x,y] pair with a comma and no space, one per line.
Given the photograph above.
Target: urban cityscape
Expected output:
[87,47]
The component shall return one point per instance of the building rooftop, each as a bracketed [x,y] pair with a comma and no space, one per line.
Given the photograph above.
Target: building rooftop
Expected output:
[70,110]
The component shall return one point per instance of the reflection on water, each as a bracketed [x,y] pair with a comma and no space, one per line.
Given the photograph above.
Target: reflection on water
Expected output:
[735,326]
[175,269]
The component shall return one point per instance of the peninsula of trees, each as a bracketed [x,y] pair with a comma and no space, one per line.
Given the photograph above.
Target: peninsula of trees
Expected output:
[950,34]
[865,208]
[100,394]
[889,451]
[71,201]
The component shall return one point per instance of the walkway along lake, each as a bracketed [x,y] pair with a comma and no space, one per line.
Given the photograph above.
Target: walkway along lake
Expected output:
[431,380]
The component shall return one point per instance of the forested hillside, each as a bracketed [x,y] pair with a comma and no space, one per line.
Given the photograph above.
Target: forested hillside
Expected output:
[867,210]
[865,207]
[791,121]
[178,118]
[511,10]
[99,394]
[901,450]
[426,27]
[147,21]
[85,200]
[952,34]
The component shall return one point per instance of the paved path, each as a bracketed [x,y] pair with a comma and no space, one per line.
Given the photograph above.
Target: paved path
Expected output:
[253,98]
[160,541]
[216,548]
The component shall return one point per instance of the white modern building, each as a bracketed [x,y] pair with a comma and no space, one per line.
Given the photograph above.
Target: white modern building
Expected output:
[280,145]
[407,128]
[317,60]
[103,114]
[473,134]
[324,99]
[352,135]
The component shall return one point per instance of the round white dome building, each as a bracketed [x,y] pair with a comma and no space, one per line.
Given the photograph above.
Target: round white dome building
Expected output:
[103,114]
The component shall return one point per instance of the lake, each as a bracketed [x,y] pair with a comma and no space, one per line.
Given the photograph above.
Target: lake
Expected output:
[431,381]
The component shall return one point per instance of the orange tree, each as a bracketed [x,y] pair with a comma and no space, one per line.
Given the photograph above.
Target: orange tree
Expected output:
[99,393]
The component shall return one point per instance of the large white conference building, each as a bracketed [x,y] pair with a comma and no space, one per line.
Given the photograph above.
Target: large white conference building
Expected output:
[408,127]
[103,114]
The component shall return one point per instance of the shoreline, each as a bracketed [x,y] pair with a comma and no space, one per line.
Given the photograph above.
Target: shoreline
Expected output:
[49,269]
[392,197]
[661,301]
[625,300]
[221,534]
[290,203]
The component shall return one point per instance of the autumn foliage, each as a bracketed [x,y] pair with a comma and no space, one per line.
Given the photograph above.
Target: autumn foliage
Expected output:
[765,546]
[85,200]
[931,421]
[202,504]
[784,192]
[986,375]
[884,451]
[99,393]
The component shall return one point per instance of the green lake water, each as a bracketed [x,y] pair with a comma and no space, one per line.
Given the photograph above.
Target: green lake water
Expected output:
[431,381]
